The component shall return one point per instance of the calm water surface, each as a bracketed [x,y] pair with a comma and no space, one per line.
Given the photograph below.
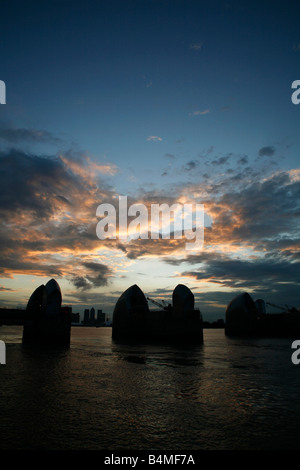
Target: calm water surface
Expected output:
[227,394]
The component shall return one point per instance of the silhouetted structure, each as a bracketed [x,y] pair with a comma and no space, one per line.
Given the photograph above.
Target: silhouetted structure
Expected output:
[133,320]
[100,317]
[47,321]
[92,315]
[241,316]
[75,318]
[183,301]
[131,313]
[86,317]
[244,317]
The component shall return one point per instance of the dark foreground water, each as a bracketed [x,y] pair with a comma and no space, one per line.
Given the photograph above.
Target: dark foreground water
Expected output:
[227,394]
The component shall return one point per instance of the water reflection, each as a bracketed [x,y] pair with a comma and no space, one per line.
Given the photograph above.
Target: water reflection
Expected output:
[159,355]
[223,394]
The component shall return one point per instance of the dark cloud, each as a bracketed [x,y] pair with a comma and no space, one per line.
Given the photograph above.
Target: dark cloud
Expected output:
[191,165]
[42,185]
[220,160]
[267,151]
[138,249]
[243,160]
[272,277]
[32,183]
[99,272]
[15,136]
[95,275]
[81,283]
[265,209]
[47,208]
[15,262]
[250,274]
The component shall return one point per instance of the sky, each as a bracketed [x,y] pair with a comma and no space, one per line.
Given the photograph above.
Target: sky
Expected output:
[163,102]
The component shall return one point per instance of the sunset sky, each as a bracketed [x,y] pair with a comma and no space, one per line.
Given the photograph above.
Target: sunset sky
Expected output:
[162,101]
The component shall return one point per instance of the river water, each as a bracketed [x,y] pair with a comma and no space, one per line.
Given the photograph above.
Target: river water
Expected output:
[227,394]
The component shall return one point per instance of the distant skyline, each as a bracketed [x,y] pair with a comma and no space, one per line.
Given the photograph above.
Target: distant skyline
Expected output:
[160,101]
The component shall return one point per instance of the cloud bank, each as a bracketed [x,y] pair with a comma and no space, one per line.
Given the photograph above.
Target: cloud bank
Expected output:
[48,222]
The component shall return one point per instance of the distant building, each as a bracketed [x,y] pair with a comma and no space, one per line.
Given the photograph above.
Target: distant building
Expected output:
[75,318]
[100,317]
[92,315]
[91,319]
[86,318]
